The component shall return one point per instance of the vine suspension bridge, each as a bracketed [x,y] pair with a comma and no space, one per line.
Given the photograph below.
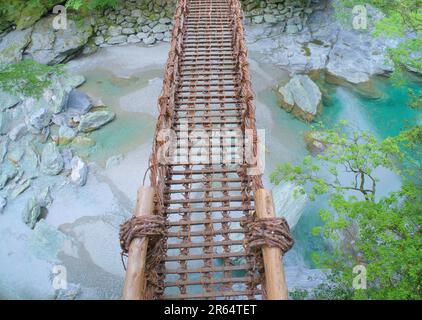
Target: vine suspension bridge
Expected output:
[205,229]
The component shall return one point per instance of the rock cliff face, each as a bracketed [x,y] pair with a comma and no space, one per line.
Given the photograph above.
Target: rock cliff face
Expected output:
[324,44]
[131,21]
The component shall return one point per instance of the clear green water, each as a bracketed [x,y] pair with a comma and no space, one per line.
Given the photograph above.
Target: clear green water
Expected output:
[130,129]
[385,116]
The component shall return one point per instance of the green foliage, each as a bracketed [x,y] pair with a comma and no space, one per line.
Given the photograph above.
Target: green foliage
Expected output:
[357,155]
[91,4]
[382,234]
[23,13]
[27,78]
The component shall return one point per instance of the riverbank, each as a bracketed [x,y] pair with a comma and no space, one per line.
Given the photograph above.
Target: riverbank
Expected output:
[80,230]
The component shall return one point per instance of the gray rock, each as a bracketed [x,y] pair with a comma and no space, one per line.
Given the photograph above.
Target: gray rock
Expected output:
[160,28]
[66,134]
[31,213]
[258,19]
[94,120]
[142,35]
[159,36]
[49,46]
[117,39]
[3,203]
[16,152]
[165,20]
[292,29]
[146,29]
[13,44]
[29,163]
[67,155]
[99,40]
[51,160]
[4,144]
[7,173]
[269,18]
[44,198]
[302,97]
[3,123]
[78,103]
[128,31]
[136,13]
[19,189]
[18,132]
[115,31]
[7,100]
[38,115]
[133,39]
[79,172]
[149,40]
[41,48]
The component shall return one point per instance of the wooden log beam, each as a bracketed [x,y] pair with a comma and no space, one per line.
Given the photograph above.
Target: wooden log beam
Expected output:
[275,283]
[135,280]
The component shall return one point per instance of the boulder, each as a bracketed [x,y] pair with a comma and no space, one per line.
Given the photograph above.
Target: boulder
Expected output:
[302,97]
[20,188]
[3,203]
[31,213]
[13,44]
[50,46]
[7,173]
[258,19]
[18,132]
[42,42]
[66,134]
[78,103]
[7,100]
[94,120]
[269,18]
[38,116]
[160,28]
[29,163]
[117,39]
[51,160]
[149,40]
[115,31]
[133,39]
[314,143]
[128,31]
[289,202]
[79,172]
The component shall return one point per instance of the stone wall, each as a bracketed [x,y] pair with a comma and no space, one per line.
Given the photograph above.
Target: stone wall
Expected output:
[134,21]
[292,13]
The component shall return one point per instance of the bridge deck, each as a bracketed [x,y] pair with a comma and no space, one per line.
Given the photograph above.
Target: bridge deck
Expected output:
[205,197]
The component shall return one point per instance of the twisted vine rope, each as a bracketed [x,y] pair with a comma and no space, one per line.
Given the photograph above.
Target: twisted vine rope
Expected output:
[270,232]
[153,227]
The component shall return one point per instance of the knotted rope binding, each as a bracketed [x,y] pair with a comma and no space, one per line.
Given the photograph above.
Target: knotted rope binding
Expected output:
[152,226]
[271,232]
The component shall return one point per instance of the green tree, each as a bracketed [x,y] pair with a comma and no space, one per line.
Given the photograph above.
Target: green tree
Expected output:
[381,233]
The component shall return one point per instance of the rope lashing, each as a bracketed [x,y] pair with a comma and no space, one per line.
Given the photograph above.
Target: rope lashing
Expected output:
[152,226]
[271,232]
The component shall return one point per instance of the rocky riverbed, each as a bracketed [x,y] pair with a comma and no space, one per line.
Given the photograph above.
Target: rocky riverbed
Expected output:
[72,160]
